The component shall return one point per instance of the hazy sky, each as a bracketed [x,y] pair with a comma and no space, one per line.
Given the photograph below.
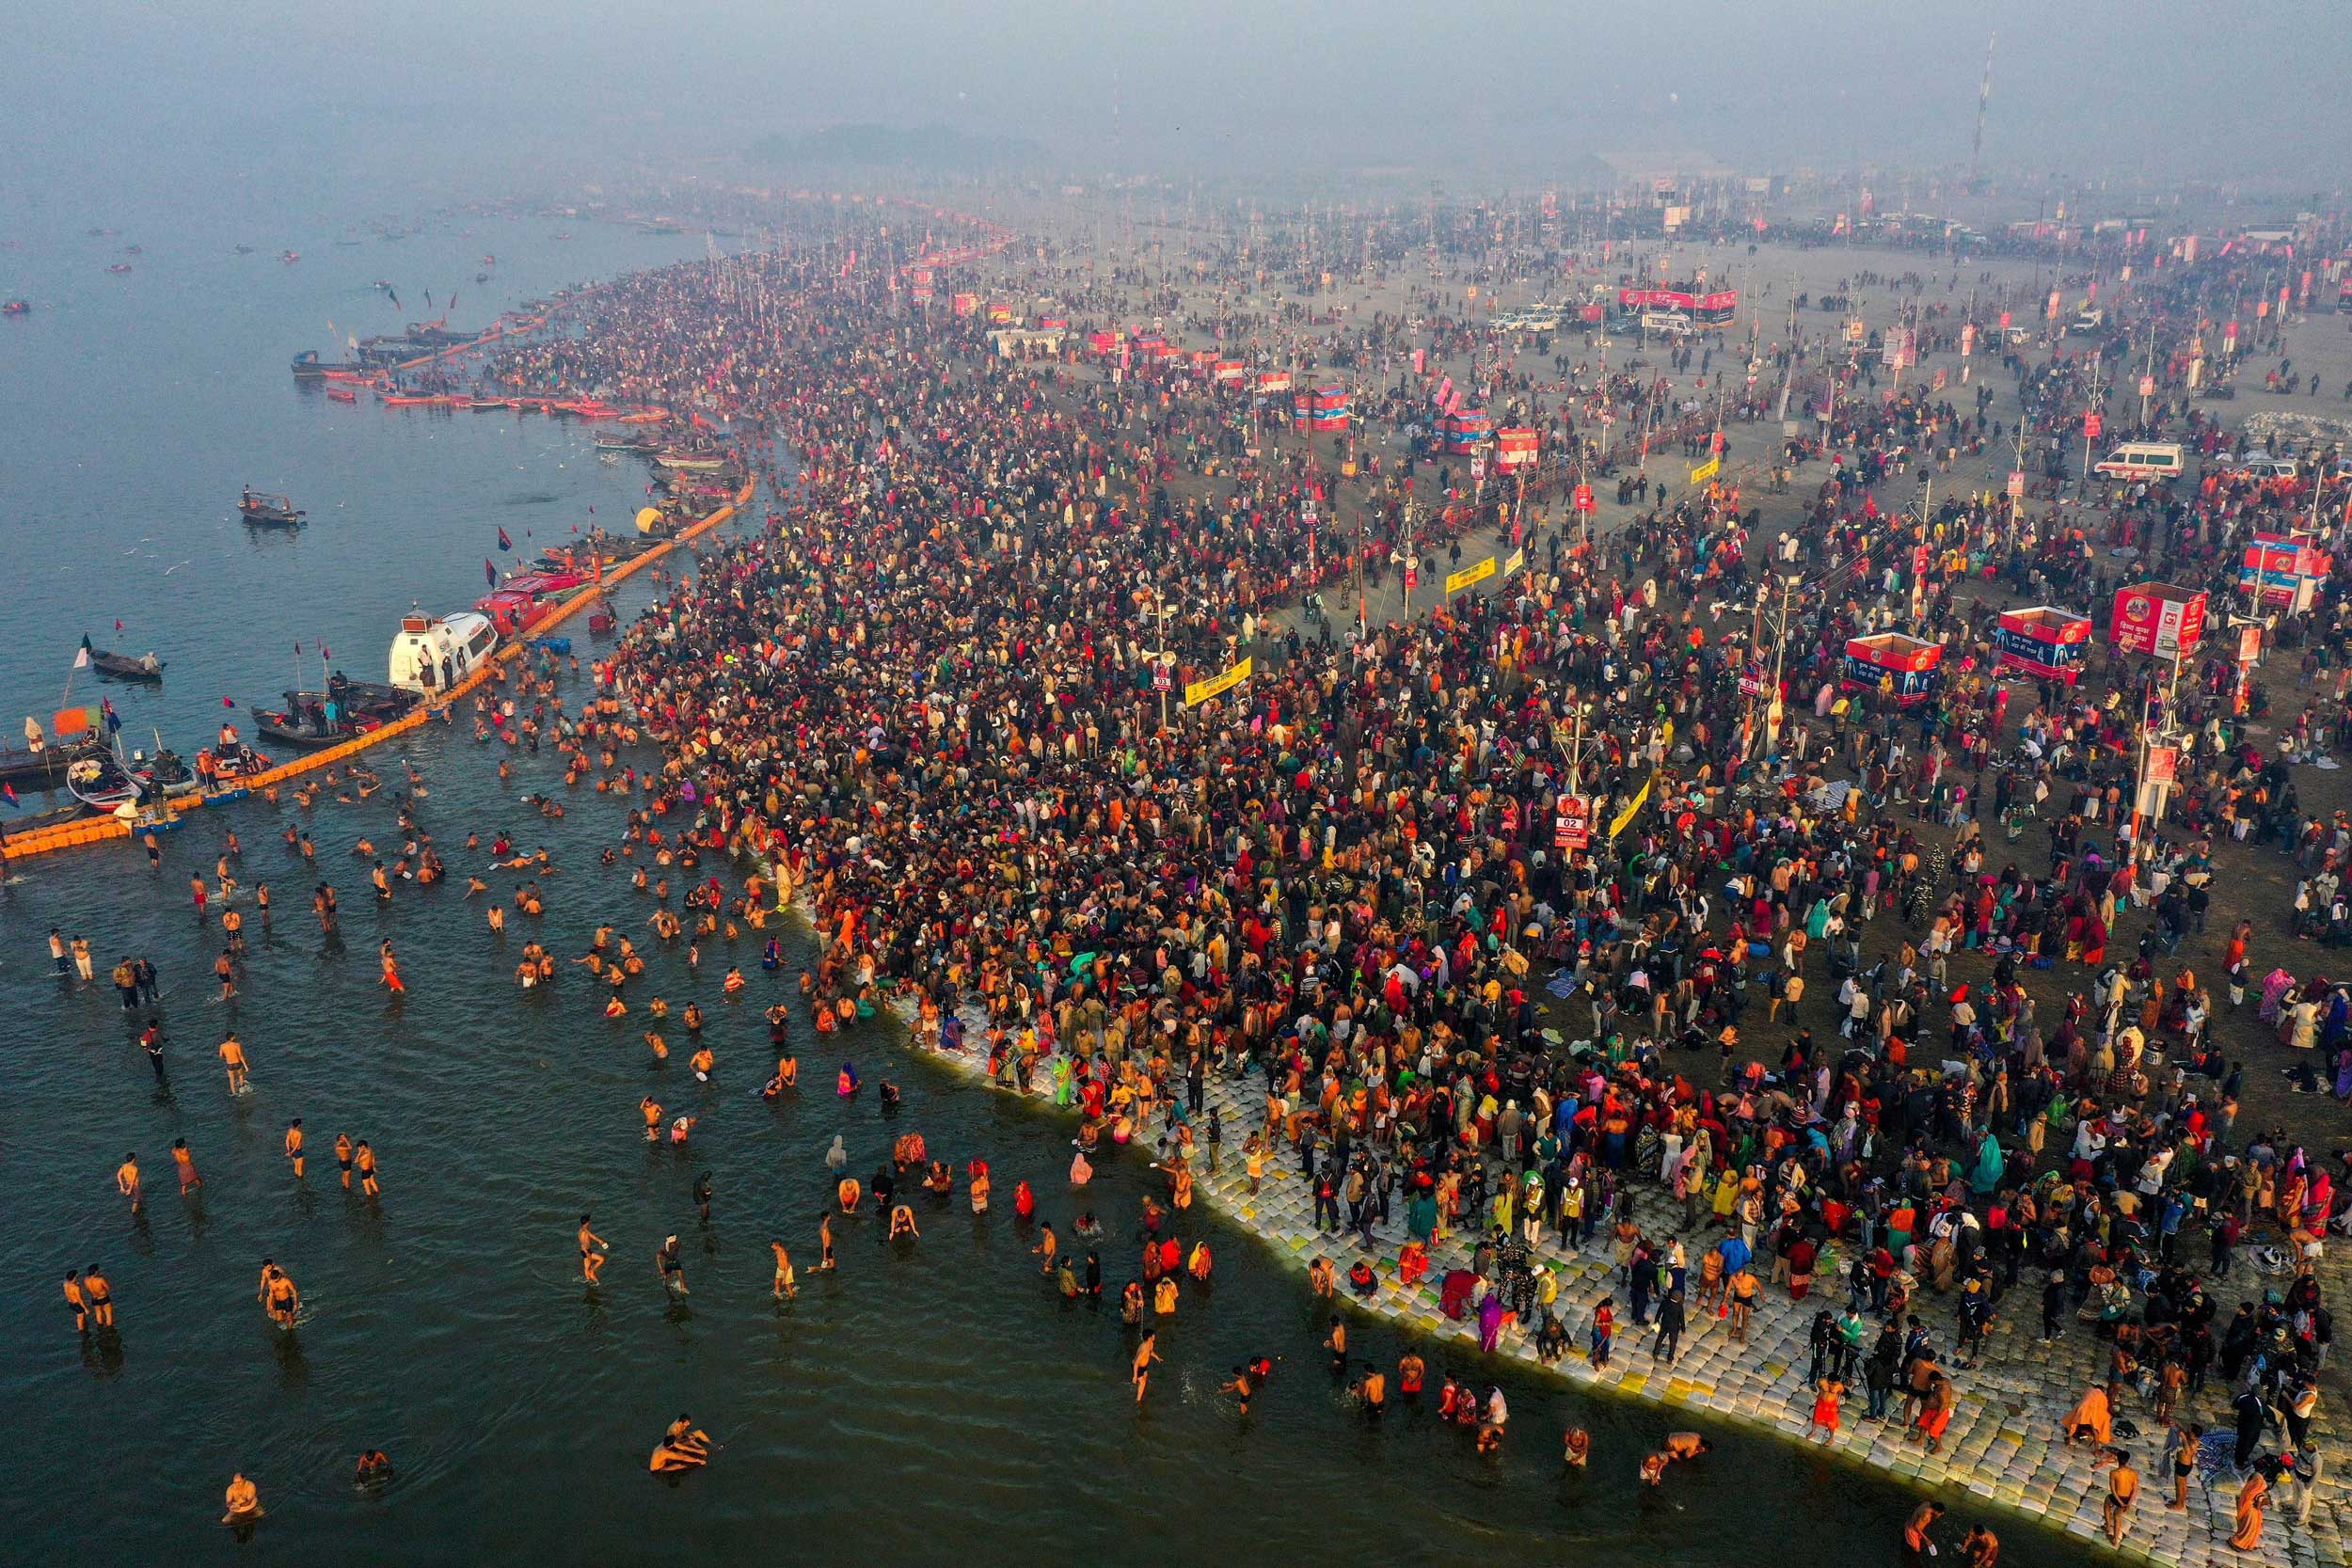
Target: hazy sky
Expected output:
[262,100]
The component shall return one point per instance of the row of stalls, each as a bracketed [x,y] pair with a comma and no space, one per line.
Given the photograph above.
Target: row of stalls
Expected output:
[2160,620]
[2042,641]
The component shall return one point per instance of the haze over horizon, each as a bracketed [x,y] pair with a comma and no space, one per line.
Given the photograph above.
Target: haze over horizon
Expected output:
[440,99]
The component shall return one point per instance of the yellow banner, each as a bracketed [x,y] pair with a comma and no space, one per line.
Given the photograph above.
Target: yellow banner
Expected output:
[1517,560]
[1200,691]
[1624,820]
[1707,469]
[1469,575]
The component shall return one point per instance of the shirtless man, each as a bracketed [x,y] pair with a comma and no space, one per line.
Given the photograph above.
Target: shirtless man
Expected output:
[593,1248]
[183,1158]
[343,1156]
[366,1160]
[672,1268]
[278,1294]
[1147,1351]
[233,1058]
[786,1286]
[100,1296]
[293,1146]
[127,1180]
[243,1501]
[1686,1444]
[683,1446]
[76,1301]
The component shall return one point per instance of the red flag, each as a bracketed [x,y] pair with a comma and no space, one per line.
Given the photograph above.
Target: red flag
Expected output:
[489,571]
[9,790]
[504,542]
[117,625]
[322,653]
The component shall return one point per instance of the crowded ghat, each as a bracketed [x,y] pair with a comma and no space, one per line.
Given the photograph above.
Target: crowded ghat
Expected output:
[1614,962]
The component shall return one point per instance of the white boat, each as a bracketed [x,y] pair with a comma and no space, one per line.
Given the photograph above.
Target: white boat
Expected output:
[432,653]
[694,462]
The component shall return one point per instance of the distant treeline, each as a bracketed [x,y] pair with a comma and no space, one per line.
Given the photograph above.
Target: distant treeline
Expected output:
[930,147]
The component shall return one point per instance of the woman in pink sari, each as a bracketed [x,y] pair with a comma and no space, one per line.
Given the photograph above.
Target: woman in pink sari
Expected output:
[2275,986]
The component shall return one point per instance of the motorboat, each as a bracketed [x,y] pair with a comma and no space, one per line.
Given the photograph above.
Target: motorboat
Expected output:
[432,653]
[347,708]
[165,775]
[268,511]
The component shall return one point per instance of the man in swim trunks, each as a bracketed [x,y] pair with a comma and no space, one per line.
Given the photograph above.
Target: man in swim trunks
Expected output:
[683,1446]
[278,1294]
[232,1056]
[100,1296]
[593,1248]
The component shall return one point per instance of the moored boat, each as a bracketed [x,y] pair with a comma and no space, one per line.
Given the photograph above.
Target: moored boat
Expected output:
[165,775]
[22,767]
[346,709]
[308,366]
[98,779]
[432,653]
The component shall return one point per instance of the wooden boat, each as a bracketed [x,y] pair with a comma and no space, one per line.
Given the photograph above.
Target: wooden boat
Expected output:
[22,767]
[692,462]
[15,307]
[121,667]
[268,511]
[120,268]
[342,394]
[98,779]
[307,366]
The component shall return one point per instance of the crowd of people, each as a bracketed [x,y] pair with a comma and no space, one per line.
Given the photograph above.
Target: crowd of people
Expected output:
[1478,908]
[934,695]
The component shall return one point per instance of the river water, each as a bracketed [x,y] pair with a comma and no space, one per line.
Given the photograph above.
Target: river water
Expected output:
[922,1400]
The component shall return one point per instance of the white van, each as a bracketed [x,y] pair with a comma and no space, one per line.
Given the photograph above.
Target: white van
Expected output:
[2141,460]
[2260,464]
[1669,323]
